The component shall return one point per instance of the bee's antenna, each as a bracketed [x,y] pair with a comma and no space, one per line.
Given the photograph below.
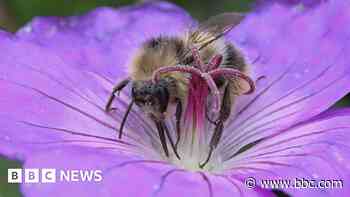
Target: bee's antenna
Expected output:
[124,119]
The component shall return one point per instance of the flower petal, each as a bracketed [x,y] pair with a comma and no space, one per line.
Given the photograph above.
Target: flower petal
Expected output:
[39,90]
[103,40]
[56,76]
[118,177]
[301,59]
[308,3]
[124,176]
[314,150]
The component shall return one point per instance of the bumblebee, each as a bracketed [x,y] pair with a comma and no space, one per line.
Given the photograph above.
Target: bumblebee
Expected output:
[159,71]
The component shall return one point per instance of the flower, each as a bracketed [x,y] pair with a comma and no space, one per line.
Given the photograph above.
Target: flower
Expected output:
[57,73]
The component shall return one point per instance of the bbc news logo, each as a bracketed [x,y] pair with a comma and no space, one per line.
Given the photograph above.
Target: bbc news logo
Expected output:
[35,175]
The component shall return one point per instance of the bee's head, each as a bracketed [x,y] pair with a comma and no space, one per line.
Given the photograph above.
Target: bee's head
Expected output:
[151,97]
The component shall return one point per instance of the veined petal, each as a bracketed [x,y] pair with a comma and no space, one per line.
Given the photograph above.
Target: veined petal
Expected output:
[308,3]
[122,175]
[301,59]
[103,40]
[119,174]
[314,150]
[42,96]
[57,76]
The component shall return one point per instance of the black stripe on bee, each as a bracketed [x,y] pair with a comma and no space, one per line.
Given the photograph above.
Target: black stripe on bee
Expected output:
[234,59]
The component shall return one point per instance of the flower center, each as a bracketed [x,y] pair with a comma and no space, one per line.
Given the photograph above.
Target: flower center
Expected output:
[198,143]
[196,131]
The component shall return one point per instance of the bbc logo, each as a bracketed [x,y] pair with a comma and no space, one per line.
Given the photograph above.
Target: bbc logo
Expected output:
[46,175]
[17,175]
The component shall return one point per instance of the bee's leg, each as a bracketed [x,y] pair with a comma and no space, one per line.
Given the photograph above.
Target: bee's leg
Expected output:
[178,115]
[170,139]
[124,119]
[214,141]
[162,138]
[219,124]
[116,89]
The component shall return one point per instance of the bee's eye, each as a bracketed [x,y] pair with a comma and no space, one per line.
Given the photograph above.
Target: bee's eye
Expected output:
[134,92]
[139,101]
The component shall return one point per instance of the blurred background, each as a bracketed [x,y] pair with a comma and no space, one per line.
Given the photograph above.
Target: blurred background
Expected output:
[15,13]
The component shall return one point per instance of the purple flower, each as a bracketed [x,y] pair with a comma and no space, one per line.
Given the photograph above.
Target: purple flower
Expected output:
[308,3]
[57,73]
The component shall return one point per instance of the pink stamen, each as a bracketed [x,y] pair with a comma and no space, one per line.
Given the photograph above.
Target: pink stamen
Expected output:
[166,69]
[214,90]
[205,76]
[197,59]
[214,63]
[234,73]
[207,72]
[187,69]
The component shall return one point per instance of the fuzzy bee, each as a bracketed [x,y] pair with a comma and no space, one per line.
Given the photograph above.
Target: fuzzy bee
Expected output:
[159,76]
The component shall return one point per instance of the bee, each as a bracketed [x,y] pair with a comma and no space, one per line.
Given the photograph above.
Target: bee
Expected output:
[164,97]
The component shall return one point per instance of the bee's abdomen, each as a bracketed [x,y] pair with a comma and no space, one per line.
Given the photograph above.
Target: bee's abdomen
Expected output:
[234,59]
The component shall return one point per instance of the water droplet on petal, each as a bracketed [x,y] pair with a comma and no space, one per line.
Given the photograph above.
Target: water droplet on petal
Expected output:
[164,5]
[27,29]
[156,186]
[297,75]
[338,156]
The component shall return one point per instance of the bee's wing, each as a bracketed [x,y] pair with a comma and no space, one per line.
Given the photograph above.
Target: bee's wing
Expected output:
[214,28]
[209,31]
